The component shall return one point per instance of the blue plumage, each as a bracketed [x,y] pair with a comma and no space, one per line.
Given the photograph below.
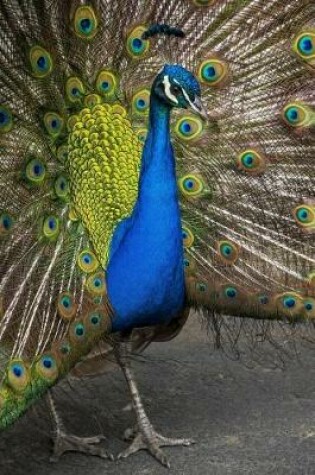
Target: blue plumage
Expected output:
[145,276]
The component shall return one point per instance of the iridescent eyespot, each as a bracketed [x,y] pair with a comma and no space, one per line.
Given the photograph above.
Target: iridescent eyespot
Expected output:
[230,292]
[136,46]
[46,367]
[289,301]
[18,375]
[54,123]
[304,46]
[297,114]
[96,322]
[87,261]
[140,102]
[96,283]
[305,216]
[77,332]
[251,161]
[6,120]
[309,305]
[212,72]
[85,22]
[189,263]
[75,89]
[142,134]
[41,62]
[62,188]
[188,128]
[92,100]
[107,84]
[51,227]
[35,171]
[66,306]
[192,186]
[188,237]
[6,223]
[228,251]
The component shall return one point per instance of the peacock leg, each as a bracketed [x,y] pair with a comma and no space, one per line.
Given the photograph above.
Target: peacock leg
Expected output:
[144,437]
[64,442]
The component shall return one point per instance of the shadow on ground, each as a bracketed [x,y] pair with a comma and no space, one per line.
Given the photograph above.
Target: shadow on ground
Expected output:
[245,421]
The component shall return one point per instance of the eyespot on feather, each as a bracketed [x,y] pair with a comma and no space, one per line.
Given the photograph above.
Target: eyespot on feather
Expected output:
[192,186]
[85,22]
[96,283]
[188,237]
[87,261]
[35,171]
[66,306]
[228,251]
[50,227]
[140,102]
[251,161]
[17,375]
[136,46]
[304,45]
[62,188]
[75,89]
[289,303]
[309,307]
[46,368]
[53,123]
[107,84]
[189,264]
[188,128]
[6,223]
[230,292]
[6,119]
[41,62]
[78,333]
[212,72]
[297,114]
[304,216]
[96,322]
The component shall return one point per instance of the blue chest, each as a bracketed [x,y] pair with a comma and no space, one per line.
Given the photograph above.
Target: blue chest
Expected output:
[145,277]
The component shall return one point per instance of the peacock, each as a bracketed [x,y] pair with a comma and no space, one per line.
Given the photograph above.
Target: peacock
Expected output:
[156,157]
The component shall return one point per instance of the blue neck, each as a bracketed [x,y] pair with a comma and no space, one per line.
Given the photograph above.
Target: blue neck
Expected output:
[145,278]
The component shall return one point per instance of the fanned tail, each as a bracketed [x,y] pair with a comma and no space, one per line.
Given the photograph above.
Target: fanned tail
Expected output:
[246,178]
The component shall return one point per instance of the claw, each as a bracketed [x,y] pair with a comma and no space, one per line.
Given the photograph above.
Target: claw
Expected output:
[153,443]
[71,443]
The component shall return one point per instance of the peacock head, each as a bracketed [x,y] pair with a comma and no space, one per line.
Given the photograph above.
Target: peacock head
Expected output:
[178,87]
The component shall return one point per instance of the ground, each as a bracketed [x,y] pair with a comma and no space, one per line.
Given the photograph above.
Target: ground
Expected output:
[245,421]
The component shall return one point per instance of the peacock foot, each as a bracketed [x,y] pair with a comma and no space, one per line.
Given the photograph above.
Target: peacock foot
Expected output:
[148,439]
[71,443]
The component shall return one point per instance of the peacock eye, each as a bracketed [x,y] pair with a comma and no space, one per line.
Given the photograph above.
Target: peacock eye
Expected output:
[176,90]
[85,22]
[107,84]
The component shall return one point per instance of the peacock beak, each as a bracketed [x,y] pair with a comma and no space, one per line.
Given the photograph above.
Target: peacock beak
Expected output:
[198,108]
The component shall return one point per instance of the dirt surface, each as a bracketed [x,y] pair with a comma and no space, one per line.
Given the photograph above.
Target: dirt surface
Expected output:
[258,421]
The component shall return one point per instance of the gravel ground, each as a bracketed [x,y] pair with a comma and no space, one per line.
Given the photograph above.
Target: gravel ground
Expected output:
[258,421]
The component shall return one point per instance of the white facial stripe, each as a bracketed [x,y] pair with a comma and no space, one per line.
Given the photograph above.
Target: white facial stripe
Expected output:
[167,90]
[188,99]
